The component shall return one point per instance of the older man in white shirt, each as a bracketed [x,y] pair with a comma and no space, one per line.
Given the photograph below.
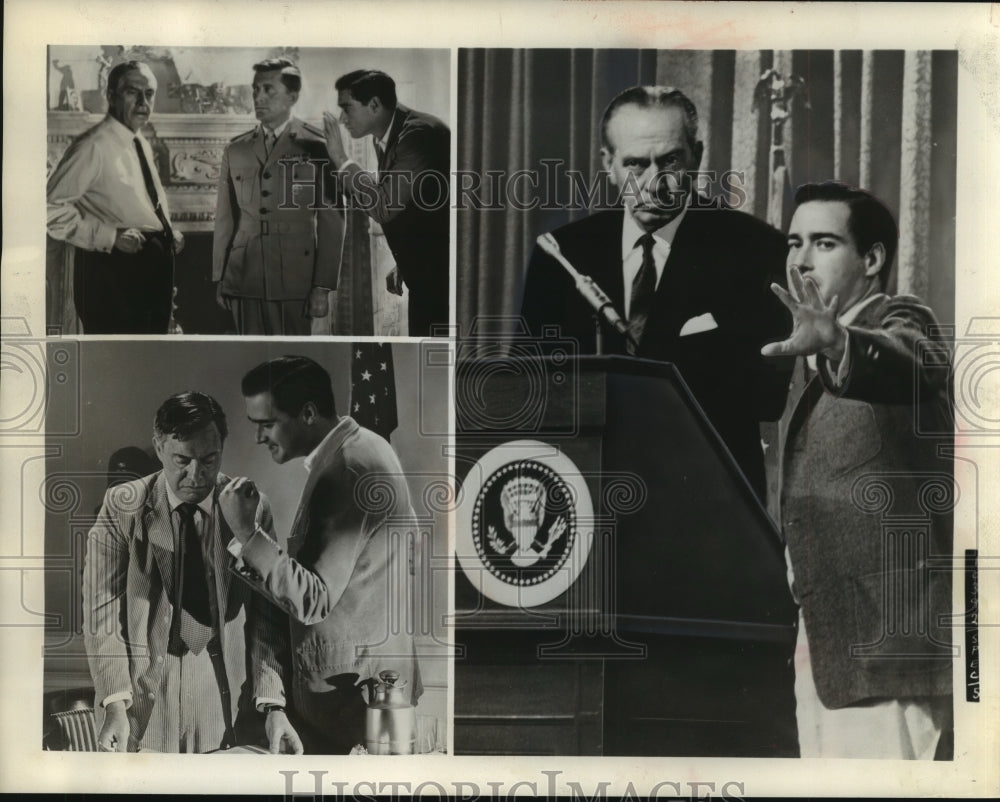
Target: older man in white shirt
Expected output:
[106,199]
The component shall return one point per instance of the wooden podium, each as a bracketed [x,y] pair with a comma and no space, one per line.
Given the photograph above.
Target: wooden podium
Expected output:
[652,619]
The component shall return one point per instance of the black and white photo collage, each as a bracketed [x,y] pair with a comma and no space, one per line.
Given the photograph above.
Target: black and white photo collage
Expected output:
[500,399]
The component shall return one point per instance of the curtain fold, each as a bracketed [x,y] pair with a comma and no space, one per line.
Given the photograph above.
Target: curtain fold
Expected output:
[525,110]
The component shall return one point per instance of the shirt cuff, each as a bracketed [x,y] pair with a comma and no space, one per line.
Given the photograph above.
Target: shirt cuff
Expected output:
[260,701]
[260,552]
[104,238]
[123,696]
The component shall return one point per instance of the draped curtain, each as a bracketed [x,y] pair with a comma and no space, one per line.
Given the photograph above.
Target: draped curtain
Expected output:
[516,108]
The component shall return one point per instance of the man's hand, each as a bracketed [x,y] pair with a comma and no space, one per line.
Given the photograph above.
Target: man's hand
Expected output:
[334,141]
[114,733]
[393,282]
[178,241]
[220,299]
[815,329]
[281,735]
[238,501]
[319,302]
[130,240]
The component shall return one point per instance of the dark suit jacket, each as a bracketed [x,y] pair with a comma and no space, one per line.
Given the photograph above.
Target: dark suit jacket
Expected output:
[265,247]
[411,202]
[721,262]
[853,461]
[342,582]
[127,590]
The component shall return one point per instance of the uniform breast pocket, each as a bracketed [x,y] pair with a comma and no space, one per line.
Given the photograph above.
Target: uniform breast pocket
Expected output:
[244,183]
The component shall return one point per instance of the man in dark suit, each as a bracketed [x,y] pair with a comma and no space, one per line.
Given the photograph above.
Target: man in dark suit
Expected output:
[693,283]
[275,258]
[866,447]
[408,196]
[181,650]
[691,279]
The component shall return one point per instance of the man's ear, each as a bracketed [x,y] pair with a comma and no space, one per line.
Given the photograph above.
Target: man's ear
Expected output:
[157,446]
[375,104]
[309,414]
[295,97]
[607,159]
[874,260]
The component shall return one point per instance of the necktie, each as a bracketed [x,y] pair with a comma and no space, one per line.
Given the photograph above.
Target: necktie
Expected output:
[269,139]
[147,177]
[643,288]
[193,608]
[379,154]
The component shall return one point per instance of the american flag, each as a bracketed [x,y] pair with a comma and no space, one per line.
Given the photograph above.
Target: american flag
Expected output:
[373,387]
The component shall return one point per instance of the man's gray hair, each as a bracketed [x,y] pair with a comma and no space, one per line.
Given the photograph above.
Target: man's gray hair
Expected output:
[648,96]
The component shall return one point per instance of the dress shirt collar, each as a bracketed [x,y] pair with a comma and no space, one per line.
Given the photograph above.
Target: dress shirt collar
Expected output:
[122,132]
[631,232]
[277,131]
[333,437]
[205,505]
[383,141]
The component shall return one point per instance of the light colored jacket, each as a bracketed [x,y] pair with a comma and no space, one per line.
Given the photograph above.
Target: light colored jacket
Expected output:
[344,578]
[268,242]
[128,584]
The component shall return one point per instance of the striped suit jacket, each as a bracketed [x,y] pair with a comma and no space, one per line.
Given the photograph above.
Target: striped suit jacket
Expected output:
[128,586]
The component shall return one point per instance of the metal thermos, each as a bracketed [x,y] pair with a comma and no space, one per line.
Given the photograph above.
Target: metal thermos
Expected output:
[390,721]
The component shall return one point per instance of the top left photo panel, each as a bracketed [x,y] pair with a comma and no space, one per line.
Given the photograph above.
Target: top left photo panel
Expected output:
[256,191]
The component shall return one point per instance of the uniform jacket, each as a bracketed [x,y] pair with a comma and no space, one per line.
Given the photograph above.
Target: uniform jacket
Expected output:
[721,263]
[866,511]
[128,585]
[262,250]
[342,579]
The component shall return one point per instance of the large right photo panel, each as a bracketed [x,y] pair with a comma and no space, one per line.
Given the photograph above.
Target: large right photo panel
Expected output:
[703,403]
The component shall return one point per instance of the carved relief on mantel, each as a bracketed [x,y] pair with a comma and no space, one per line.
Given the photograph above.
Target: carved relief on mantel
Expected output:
[187,149]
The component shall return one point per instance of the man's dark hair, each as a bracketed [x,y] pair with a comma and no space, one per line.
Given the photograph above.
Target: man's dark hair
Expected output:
[646,97]
[366,84]
[292,381]
[185,413]
[118,72]
[869,221]
[290,75]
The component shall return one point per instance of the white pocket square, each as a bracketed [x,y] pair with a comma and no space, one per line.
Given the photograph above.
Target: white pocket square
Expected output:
[697,325]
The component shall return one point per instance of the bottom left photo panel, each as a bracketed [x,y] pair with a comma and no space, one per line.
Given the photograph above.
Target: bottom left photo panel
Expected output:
[246,547]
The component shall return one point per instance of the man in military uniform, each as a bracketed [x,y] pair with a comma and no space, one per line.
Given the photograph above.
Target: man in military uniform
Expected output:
[275,259]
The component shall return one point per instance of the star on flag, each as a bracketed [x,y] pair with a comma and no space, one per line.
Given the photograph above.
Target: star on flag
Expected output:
[372,363]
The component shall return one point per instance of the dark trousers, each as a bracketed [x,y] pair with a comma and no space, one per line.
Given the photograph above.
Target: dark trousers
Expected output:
[428,309]
[125,293]
[257,316]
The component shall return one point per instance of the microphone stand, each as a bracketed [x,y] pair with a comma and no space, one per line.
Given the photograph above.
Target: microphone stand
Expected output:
[591,293]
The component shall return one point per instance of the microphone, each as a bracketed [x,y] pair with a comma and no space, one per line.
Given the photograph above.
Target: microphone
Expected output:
[587,287]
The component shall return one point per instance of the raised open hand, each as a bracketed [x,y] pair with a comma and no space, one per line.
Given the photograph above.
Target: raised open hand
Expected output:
[814,322]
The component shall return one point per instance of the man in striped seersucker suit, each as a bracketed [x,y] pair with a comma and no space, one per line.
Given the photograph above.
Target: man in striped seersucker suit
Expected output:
[185,657]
